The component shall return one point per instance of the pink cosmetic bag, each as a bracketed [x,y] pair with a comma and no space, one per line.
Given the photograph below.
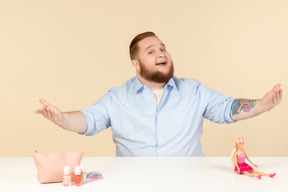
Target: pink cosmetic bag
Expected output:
[50,167]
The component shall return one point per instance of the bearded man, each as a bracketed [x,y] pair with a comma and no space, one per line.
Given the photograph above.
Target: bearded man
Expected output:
[156,113]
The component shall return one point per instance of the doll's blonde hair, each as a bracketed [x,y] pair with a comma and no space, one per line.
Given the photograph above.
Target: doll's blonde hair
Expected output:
[237,141]
[235,148]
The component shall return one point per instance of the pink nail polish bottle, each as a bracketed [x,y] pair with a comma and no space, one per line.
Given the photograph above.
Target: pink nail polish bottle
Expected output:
[67,176]
[77,177]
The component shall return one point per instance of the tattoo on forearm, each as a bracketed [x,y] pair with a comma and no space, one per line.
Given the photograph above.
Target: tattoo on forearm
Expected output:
[239,105]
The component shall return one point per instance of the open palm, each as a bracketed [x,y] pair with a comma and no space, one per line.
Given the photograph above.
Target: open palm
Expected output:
[272,98]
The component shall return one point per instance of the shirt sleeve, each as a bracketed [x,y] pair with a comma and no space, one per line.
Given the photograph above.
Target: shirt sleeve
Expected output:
[218,106]
[97,116]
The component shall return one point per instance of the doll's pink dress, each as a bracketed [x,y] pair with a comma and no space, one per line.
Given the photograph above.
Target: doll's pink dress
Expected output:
[242,165]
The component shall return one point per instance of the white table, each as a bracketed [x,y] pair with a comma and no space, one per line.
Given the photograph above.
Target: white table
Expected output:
[136,174]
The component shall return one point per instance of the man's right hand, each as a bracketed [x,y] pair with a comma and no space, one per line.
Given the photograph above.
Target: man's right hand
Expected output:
[72,121]
[51,112]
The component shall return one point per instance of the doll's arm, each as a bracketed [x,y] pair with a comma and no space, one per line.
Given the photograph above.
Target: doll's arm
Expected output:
[235,161]
[250,160]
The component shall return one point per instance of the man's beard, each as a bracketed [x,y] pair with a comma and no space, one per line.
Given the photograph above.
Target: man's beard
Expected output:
[157,76]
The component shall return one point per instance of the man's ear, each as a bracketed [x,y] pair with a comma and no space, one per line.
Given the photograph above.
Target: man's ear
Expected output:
[136,64]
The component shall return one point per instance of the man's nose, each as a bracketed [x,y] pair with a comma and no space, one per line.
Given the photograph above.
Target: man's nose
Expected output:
[160,54]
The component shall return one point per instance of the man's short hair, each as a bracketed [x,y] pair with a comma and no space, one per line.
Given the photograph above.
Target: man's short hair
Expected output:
[133,48]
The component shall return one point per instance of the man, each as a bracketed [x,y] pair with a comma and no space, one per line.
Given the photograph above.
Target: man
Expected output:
[155,113]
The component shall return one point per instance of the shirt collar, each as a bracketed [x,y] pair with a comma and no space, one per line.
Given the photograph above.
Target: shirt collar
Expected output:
[139,85]
[172,83]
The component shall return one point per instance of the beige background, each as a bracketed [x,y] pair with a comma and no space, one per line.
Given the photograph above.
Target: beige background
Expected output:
[71,52]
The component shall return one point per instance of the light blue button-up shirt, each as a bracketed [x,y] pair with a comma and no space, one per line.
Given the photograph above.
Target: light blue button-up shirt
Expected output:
[140,128]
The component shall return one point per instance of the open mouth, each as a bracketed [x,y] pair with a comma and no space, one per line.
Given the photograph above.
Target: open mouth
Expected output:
[161,63]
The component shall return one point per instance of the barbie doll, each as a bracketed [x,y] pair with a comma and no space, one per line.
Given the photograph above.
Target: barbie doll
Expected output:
[238,159]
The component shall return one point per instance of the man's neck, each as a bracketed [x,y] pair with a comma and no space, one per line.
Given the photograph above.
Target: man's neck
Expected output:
[150,84]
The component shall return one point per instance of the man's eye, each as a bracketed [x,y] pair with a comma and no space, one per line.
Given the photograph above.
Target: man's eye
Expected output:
[150,52]
[163,50]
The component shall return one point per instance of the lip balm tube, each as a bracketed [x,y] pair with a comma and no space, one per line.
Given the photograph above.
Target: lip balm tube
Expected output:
[84,174]
[77,177]
[67,176]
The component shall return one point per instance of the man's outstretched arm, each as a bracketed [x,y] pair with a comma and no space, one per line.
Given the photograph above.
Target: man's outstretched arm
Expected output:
[72,121]
[246,108]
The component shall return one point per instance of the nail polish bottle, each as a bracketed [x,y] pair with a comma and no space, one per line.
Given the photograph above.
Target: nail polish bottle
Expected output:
[84,174]
[77,177]
[67,176]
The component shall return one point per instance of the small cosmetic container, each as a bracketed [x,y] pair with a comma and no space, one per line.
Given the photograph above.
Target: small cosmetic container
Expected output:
[84,174]
[77,177]
[67,176]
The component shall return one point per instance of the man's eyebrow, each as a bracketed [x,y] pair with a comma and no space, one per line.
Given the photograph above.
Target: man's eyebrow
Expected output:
[162,44]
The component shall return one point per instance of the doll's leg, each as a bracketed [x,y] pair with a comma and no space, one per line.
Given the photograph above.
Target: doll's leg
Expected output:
[264,174]
[260,173]
[249,174]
